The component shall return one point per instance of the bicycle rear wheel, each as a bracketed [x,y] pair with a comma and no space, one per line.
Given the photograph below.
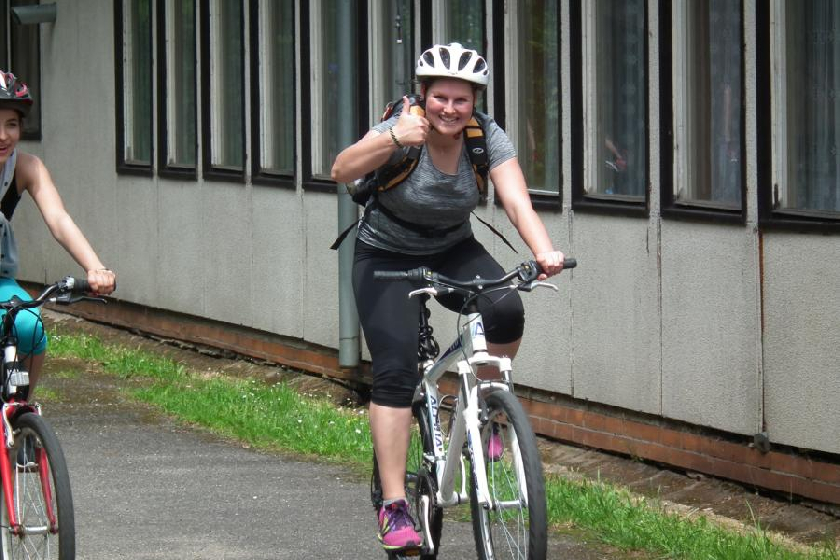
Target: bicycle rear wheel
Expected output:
[515,525]
[43,504]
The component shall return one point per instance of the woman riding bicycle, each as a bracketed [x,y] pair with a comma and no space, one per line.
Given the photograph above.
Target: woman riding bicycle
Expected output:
[424,221]
[21,172]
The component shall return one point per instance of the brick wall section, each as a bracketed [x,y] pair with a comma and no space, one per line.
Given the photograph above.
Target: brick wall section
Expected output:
[790,473]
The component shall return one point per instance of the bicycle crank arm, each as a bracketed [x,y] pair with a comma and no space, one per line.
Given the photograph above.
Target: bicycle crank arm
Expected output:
[425,520]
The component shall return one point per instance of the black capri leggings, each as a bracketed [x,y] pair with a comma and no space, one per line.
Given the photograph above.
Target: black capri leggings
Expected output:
[389,318]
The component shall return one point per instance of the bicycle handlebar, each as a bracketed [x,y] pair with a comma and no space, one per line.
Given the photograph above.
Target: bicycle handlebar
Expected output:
[63,291]
[528,271]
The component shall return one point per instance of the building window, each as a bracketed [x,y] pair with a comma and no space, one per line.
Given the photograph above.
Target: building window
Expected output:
[393,59]
[134,85]
[614,102]
[533,71]
[223,96]
[464,21]
[177,124]
[805,109]
[273,88]
[22,57]
[335,77]
[708,107]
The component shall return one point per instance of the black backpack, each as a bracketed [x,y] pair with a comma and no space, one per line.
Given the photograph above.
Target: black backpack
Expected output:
[389,176]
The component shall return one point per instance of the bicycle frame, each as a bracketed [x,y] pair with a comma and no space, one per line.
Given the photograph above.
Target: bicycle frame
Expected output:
[471,343]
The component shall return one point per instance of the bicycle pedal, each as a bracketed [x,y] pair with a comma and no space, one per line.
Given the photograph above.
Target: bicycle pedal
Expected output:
[404,553]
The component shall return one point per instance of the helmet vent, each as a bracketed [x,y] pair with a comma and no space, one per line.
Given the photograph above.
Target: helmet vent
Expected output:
[465,58]
[429,58]
[444,56]
[480,65]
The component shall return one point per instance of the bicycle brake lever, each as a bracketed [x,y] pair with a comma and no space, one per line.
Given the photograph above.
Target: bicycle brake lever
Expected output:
[67,299]
[530,286]
[428,290]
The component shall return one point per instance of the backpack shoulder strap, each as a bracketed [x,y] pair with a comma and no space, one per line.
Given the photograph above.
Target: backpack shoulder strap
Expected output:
[476,143]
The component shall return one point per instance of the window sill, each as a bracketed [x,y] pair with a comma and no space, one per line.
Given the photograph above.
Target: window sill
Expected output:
[611,205]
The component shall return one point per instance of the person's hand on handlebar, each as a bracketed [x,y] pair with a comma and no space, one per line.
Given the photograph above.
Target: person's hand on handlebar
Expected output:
[102,281]
[551,263]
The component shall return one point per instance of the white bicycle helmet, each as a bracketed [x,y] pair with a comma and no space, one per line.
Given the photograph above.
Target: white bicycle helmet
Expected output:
[453,61]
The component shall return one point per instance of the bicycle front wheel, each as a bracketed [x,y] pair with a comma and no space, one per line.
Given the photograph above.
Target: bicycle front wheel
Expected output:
[514,524]
[43,504]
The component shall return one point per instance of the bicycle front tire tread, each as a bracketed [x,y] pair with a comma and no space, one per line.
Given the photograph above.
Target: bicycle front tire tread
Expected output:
[35,425]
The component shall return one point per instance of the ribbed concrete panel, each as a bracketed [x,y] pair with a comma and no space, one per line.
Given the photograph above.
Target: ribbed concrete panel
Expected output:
[710,326]
[802,340]
[277,269]
[615,307]
[180,220]
[77,112]
[320,274]
[226,248]
[544,359]
[136,241]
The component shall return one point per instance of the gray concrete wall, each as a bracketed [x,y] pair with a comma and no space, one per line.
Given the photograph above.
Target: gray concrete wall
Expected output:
[662,317]
[801,360]
[710,326]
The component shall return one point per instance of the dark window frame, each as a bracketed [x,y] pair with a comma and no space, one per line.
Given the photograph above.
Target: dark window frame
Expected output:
[768,218]
[259,174]
[309,182]
[610,205]
[498,69]
[670,208]
[164,169]
[31,79]
[212,172]
[123,167]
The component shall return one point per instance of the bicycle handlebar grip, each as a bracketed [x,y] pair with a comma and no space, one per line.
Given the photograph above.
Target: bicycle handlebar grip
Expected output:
[415,274]
[569,262]
[390,275]
[79,286]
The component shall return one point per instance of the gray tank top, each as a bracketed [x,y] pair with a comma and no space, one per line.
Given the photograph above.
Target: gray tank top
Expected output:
[430,197]
[8,247]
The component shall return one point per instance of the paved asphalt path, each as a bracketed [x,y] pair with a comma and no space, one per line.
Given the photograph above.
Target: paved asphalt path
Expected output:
[145,487]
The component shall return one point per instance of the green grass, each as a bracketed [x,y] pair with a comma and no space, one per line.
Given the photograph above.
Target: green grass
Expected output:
[624,520]
[278,417]
[261,415]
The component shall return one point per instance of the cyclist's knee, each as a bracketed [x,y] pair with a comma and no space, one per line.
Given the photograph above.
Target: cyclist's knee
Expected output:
[505,324]
[393,388]
[30,333]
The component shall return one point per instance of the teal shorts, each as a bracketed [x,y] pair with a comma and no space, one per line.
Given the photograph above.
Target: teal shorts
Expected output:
[28,326]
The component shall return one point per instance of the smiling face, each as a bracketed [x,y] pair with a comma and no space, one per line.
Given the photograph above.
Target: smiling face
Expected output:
[449,105]
[9,133]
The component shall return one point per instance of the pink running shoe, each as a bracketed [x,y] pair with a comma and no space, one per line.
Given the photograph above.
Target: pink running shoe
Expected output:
[495,447]
[396,527]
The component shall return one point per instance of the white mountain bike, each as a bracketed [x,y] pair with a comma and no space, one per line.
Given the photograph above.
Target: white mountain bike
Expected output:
[488,438]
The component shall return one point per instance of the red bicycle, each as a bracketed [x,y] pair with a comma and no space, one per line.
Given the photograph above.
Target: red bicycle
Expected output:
[36,510]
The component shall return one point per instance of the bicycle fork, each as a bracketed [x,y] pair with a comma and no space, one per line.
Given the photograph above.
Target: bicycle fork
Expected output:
[6,472]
